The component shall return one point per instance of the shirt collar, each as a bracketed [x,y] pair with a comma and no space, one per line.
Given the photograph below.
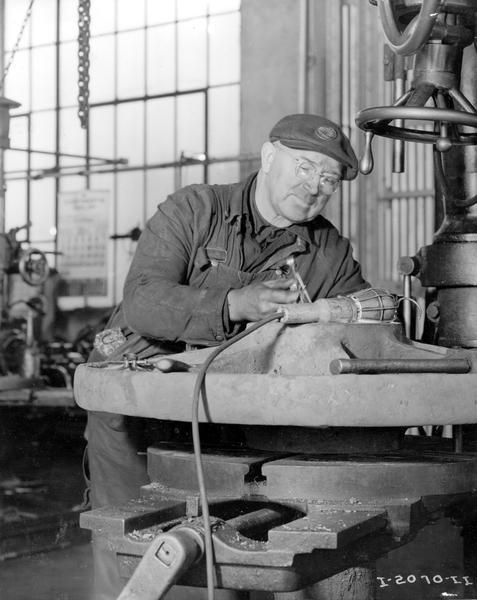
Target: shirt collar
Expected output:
[240,207]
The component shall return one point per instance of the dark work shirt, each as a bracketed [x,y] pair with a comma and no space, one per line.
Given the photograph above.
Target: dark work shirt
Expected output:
[205,240]
[262,233]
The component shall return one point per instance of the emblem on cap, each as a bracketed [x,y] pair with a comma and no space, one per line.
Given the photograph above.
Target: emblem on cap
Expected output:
[326,133]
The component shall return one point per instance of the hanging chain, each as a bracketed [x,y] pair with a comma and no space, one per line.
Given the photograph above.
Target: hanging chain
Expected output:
[83,61]
[17,43]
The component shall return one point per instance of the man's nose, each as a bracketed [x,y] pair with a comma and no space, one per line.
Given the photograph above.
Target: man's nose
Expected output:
[312,184]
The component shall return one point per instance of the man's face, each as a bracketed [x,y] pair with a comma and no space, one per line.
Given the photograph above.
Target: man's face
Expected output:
[299,182]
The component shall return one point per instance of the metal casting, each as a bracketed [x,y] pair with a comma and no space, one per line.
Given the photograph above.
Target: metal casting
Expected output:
[295,521]
[256,379]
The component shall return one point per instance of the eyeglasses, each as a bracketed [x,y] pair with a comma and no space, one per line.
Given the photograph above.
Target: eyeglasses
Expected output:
[306,170]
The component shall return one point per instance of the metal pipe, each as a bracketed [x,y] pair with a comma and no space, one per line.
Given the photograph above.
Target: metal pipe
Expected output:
[303,48]
[373,366]
[398,145]
[406,310]
[458,438]
[271,517]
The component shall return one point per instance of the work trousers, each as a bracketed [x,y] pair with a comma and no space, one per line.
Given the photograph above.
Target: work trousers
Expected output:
[117,448]
[117,468]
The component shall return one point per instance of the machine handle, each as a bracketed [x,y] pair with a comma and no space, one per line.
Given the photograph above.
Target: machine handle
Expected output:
[376,366]
[416,33]
[166,559]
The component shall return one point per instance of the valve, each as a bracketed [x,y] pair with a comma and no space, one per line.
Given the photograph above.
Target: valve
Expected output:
[33,266]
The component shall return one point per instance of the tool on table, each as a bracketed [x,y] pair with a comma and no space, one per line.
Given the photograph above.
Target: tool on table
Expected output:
[172,365]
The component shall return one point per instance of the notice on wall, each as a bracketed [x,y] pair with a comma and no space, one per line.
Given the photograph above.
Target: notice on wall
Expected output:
[83,234]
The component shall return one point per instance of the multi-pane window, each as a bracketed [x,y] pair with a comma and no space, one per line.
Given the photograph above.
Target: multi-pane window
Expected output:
[164,96]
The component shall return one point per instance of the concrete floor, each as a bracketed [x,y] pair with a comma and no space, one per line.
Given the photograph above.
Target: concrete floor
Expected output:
[43,553]
[64,574]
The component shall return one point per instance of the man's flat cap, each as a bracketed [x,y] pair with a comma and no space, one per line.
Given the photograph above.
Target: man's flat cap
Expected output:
[315,133]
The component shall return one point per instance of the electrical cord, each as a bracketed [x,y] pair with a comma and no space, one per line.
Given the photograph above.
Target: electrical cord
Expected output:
[199,389]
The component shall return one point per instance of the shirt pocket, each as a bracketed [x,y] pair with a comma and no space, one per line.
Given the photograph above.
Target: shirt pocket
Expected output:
[212,271]
[220,275]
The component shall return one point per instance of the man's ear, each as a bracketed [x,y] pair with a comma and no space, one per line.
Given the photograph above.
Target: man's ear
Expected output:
[267,154]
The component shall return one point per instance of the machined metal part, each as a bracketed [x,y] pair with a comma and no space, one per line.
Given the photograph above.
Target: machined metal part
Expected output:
[450,267]
[280,520]
[168,556]
[259,380]
[343,366]
[314,517]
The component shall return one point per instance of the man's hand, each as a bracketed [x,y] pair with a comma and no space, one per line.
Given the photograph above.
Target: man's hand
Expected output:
[258,300]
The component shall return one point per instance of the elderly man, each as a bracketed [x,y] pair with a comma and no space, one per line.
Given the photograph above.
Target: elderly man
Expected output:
[211,259]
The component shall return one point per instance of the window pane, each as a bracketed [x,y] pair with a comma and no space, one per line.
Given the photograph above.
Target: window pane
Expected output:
[131,14]
[130,196]
[68,81]
[104,182]
[218,6]
[191,8]
[72,137]
[68,19]
[160,12]
[43,77]
[43,132]
[190,123]
[42,209]
[15,160]
[190,174]
[103,16]
[160,131]
[131,64]
[228,172]
[72,183]
[224,55]
[130,131]
[15,11]
[159,184]
[17,82]
[15,204]
[43,22]
[130,209]
[224,121]
[192,54]
[101,131]
[102,69]
[161,59]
